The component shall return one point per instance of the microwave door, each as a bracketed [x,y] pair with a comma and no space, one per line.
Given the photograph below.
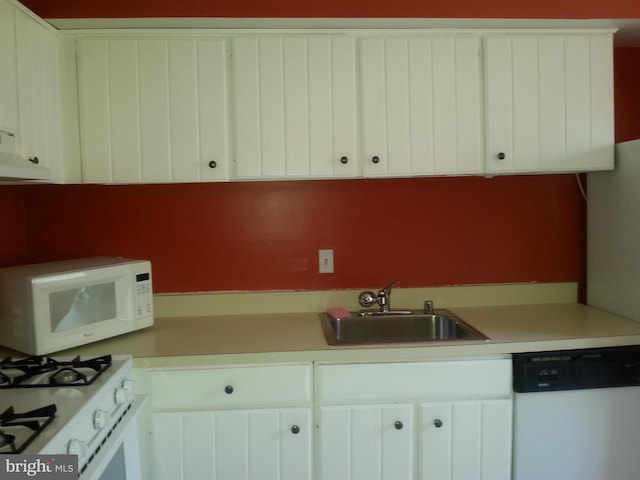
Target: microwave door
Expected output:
[78,307]
[70,311]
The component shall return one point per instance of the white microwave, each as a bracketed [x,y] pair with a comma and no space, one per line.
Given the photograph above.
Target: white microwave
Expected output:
[48,307]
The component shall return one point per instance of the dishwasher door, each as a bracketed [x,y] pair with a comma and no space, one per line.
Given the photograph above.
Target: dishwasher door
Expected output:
[589,434]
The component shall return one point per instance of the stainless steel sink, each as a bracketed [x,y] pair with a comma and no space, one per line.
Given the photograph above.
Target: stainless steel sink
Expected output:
[408,327]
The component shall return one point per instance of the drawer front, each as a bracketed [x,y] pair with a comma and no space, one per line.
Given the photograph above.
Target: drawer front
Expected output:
[415,380]
[231,387]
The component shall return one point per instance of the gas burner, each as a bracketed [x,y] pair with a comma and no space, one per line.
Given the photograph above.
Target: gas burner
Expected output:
[43,371]
[68,376]
[17,430]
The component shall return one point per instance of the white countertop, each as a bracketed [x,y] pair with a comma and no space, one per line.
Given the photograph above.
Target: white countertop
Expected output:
[298,337]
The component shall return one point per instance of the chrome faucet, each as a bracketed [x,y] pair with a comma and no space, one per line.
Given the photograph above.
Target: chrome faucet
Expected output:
[382,298]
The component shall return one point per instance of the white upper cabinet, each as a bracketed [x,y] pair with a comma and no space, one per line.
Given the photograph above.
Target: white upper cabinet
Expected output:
[184,107]
[421,105]
[38,92]
[153,109]
[30,131]
[549,102]
[8,78]
[295,106]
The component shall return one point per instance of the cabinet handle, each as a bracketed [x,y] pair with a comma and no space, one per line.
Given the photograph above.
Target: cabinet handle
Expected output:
[295,429]
[376,159]
[35,160]
[398,424]
[344,160]
[437,423]
[212,164]
[228,389]
[501,156]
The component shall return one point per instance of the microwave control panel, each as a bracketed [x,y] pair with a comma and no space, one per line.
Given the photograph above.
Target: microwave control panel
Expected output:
[144,295]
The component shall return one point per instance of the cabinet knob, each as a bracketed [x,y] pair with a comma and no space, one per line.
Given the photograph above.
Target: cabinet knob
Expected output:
[376,159]
[437,423]
[295,429]
[228,389]
[212,164]
[34,160]
[398,424]
[501,156]
[344,160]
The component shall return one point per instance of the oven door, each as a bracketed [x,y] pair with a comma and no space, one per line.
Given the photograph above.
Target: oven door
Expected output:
[119,457]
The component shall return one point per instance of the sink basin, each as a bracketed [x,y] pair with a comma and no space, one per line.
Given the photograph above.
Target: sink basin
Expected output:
[414,327]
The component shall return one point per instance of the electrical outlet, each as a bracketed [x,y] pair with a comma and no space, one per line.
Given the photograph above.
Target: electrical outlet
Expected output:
[325,261]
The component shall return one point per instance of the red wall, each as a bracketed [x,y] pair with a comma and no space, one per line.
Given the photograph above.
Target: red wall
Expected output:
[265,235]
[627,98]
[13,235]
[335,8]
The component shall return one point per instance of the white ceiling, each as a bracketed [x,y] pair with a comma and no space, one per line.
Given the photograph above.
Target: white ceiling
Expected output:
[628,33]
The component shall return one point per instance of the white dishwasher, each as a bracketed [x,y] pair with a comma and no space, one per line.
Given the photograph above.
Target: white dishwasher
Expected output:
[577,414]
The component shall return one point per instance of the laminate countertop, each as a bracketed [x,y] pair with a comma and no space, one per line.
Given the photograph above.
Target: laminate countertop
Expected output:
[298,337]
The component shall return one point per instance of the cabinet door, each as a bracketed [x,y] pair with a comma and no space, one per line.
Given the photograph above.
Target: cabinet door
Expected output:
[39,131]
[295,107]
[421,105]
[466,440]
[238,445]
[153,109]
[549,102]
[366,442]
[8,79]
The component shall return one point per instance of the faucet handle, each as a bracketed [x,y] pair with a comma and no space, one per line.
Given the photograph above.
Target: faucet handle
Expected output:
[368,298]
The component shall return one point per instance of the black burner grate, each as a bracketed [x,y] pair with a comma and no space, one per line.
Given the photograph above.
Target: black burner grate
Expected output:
[43,371]
[33,422]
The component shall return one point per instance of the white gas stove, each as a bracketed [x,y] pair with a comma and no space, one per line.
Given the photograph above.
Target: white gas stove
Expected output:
[77,406]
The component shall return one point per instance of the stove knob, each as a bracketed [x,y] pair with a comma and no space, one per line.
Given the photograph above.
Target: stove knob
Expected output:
[122,395]
[77,447]
[129,384]
[101,418]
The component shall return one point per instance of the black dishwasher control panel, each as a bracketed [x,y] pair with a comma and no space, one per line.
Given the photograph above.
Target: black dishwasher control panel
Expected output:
[576,369]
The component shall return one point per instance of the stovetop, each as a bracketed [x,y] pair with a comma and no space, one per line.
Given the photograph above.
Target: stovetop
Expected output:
[44,371]
[46,401]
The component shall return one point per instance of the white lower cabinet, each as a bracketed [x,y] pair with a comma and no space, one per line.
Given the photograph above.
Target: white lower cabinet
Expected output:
[437,420]
[465,440]
[233,444]
[236,423]
[448,420]
[366,442]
